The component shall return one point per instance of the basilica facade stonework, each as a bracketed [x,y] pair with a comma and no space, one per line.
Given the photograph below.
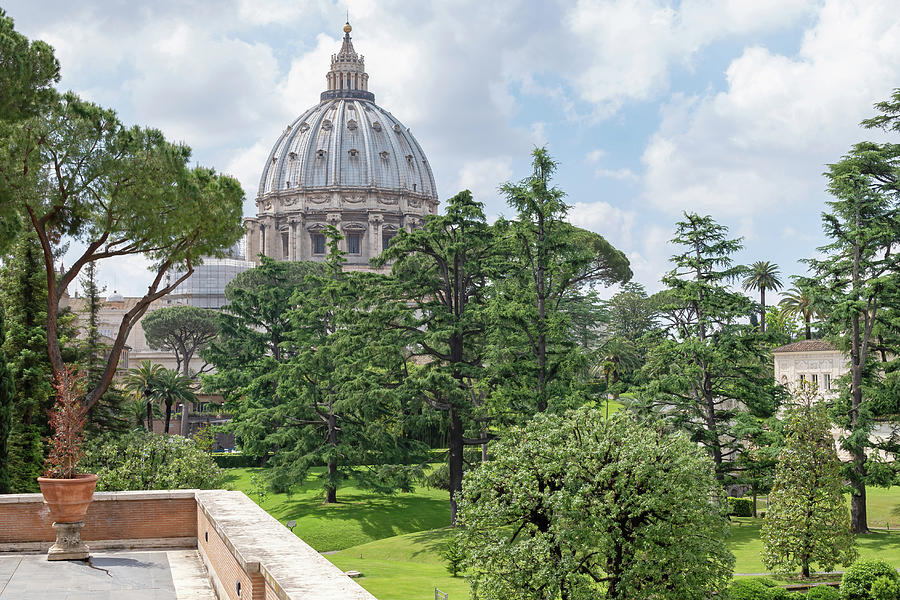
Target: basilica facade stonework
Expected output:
[344,162]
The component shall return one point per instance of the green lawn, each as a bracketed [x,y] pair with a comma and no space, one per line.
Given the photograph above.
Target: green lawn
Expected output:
[359,516]
[746,545]
[394,541]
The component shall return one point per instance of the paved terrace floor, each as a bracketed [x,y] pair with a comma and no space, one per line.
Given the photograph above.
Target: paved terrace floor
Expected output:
[133,575]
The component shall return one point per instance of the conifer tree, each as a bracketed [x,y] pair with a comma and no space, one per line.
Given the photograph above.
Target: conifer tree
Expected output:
[105,415]
[711,375]
[7,397]
[542,287]
[807,520]
[23,293]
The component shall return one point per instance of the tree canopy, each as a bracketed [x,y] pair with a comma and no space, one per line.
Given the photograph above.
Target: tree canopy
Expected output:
[577,506]
[74,172]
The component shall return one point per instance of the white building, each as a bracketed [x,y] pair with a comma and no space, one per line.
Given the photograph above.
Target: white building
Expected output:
[815,361]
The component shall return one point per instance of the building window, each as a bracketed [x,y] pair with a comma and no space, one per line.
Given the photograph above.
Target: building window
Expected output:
[802,377]
[386,241]
[826,381]
[814,378]
[285,242]
[353,243]
[318,240]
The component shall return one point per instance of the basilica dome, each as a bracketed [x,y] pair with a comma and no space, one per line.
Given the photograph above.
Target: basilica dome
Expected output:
[345,162]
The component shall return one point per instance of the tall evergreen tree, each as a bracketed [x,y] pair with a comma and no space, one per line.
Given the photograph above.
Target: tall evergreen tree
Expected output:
[23,293]
[857,279]
[92,351]
[436,296]
[711,374]
[7,398]
[762,275]
[254,327]
[551,265]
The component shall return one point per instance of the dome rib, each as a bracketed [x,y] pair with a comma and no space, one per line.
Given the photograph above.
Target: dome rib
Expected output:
[370,168]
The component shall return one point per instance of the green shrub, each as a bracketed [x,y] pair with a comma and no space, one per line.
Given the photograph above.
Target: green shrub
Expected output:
[454,555]
[857,581]
[751,589]
[885,588]
[139,460]
[740,507]
[823,592]
[235,460]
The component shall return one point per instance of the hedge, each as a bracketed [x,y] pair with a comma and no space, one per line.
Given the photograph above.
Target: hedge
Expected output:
[740,507]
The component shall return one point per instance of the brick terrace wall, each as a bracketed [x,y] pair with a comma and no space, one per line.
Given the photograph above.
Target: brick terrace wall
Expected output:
[157,515]
[224,566]
[239,542]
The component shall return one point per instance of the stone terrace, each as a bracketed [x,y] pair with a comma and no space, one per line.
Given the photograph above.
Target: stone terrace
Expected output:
[247,553]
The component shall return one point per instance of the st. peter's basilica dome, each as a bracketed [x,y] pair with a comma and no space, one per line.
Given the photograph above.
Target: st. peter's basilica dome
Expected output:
[345,162]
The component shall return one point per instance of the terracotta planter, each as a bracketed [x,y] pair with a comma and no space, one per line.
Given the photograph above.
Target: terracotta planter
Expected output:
[68,499]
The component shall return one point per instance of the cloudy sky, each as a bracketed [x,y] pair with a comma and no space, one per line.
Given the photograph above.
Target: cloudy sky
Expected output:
[725,107]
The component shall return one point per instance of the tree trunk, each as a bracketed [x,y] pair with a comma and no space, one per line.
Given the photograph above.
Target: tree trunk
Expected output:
[754,503]
[762,310]
[330,487]
[808,330]
[149,417]
[168,416]
[455,460]
[804,567]
[331,481]
[186,407]
[858,519]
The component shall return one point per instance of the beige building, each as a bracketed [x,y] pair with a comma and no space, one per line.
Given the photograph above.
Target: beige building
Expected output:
[814,361]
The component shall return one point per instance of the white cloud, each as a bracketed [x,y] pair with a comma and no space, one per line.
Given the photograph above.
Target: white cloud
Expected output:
[761,144]
[484,177]
[626,49]
[612,222]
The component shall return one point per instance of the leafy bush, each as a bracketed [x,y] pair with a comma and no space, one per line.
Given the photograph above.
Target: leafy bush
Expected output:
[235,460]
[750,589]
[885,588]
[140,460]
[857,581]
[823,592]
[740,507]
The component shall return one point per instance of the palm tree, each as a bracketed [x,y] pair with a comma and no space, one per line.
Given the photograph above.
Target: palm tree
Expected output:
[139,383]
[762,276]
[796,302]
[171,387]
[615,358]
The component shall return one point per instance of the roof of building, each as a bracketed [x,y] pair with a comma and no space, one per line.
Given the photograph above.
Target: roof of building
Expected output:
[807,346]
[347,141]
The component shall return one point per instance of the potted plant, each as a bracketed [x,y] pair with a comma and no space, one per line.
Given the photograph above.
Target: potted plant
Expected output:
[66,491]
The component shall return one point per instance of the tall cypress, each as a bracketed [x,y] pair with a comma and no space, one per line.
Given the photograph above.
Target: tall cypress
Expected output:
[23,292]
[7,396]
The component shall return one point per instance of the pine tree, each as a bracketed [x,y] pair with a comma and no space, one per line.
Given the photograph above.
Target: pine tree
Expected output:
[807,520]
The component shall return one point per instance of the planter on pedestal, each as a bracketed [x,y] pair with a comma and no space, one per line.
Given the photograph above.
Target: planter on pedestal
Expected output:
[68,500]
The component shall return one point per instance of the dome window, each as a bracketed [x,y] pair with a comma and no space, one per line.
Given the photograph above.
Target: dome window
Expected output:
[326,125]
[397,128]
[383,154]
[274,160]
[320,154]
[409,158]
[292,155]
[304,126]
[353,152]
[351,125]
[376,126]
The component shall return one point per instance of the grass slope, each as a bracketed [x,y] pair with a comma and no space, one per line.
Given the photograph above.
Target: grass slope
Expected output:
[359,517]
[394,541]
